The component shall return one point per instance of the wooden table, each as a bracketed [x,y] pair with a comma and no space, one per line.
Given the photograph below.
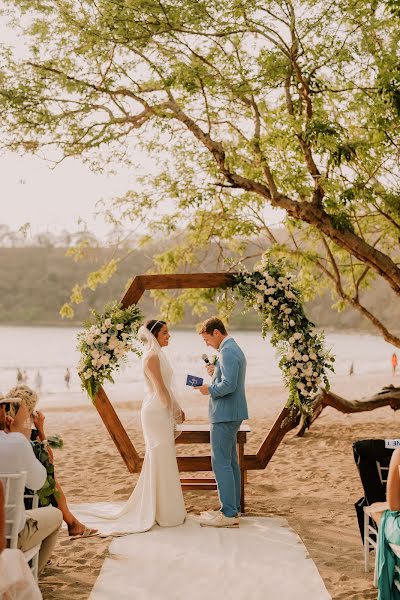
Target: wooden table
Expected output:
[193,433]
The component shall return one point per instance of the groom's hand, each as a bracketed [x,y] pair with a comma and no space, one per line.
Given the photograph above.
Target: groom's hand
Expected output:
[203,389]
[210,370]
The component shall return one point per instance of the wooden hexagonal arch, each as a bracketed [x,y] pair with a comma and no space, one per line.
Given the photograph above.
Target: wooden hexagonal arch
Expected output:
[284,422]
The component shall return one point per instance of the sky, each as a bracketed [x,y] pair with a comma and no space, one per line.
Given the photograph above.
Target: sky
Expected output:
[53,199]
[56,199]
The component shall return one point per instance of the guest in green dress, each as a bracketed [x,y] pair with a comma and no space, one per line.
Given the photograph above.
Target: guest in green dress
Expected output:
[387,563]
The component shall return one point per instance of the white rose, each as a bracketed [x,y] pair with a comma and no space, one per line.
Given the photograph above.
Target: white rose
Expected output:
[288,311]
[120,326]
[292,340]
[292,323]
[305,357]
[112,342]
[95,354]
[107,323]
[297,336]
[260,298]
[293,370]
[104,338]
[315,374]
[88,373]
[104,360]
[313,356]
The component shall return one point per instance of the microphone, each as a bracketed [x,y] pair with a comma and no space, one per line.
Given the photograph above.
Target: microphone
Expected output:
[205,358]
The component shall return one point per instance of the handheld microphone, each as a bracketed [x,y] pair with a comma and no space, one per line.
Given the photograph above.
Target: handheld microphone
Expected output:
[205,358]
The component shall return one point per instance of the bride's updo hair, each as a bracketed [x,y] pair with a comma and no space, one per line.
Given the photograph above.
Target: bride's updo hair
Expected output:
[154,326]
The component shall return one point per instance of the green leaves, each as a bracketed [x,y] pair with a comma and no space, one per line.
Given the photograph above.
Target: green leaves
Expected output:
[48,493]
[239,105]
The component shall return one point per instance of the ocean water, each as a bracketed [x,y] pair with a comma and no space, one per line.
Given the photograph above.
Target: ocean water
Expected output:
[50,350]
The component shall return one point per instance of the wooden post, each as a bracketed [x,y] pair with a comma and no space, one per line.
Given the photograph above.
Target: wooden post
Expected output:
[285,421]
[117,431]
[242,476]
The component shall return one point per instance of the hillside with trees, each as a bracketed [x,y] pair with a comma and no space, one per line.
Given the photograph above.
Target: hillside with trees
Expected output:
[36,281]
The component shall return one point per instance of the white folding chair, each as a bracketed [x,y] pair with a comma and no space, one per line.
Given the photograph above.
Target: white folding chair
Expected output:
[370,532]
[14,485]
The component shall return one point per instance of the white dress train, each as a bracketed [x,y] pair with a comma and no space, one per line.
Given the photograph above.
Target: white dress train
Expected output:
[157,497]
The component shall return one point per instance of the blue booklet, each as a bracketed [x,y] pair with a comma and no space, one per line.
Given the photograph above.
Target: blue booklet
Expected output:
[194,381]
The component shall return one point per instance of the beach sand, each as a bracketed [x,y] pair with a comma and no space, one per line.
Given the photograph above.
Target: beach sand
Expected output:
[312,481]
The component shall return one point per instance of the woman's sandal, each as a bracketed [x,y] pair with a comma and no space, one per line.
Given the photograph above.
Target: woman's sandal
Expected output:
[86,533]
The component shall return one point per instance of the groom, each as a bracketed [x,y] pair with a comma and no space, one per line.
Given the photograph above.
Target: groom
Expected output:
[227,409]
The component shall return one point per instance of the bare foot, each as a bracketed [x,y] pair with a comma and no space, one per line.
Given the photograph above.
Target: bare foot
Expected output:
[77,528]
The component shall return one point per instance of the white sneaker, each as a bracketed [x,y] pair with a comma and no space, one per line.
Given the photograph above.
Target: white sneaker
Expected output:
[212,513]
[209,513]
[219,520]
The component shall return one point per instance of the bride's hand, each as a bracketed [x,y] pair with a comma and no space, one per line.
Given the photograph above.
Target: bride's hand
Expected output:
[180,418]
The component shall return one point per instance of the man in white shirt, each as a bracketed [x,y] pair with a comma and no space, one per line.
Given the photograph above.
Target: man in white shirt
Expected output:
[40,524]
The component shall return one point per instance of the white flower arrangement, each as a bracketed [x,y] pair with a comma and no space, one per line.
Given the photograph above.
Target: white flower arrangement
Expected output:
[304,361]
[106,339]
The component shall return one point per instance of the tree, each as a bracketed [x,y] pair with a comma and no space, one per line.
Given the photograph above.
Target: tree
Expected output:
[246,104]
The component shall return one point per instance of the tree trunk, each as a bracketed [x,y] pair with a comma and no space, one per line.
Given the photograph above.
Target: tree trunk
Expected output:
[388,396]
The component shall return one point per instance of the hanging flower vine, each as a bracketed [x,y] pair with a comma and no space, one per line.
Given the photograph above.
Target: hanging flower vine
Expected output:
[304,361]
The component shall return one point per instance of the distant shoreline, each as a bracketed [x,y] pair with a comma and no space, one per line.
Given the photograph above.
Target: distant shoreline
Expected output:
[180,327]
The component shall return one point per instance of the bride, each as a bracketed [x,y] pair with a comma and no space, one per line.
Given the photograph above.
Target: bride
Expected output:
[157,497]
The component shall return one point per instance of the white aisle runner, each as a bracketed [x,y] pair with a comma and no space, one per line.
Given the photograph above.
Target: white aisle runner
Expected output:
[262,560]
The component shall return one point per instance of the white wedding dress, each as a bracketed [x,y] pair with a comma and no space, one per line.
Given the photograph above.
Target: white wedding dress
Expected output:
[157,497]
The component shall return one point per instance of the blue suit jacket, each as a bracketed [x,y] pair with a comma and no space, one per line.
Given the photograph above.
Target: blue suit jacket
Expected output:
[227,393]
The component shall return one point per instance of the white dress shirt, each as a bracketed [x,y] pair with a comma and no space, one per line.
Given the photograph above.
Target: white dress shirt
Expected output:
[16,455]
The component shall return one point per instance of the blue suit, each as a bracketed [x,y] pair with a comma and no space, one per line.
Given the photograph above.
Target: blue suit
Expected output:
[227,409]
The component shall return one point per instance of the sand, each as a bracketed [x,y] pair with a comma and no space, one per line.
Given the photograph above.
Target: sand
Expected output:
[312,481]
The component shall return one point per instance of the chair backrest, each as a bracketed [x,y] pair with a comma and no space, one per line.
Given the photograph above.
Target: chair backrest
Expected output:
[383,472]
[14,485]
[372,459]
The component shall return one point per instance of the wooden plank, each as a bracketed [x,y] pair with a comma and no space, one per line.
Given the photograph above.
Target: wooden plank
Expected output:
[133,293]
[171,282]
[191,464]
[284,423]
[194,463]
[203,437]
[199,486]
[194,479]
[194,433]
[206,427]
[117,431]
[185,280]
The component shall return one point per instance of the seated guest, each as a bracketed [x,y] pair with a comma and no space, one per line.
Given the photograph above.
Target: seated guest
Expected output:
[16,579]
[76,529]
[16,455]
[389,533]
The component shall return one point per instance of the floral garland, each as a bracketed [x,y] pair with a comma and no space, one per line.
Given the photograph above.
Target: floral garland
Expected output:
[105,340]
[304,361]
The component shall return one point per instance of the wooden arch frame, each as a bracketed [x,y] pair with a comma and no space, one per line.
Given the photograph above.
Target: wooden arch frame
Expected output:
[284,422]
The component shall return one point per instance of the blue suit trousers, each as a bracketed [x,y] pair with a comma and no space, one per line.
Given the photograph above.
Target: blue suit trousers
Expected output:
[225,465]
